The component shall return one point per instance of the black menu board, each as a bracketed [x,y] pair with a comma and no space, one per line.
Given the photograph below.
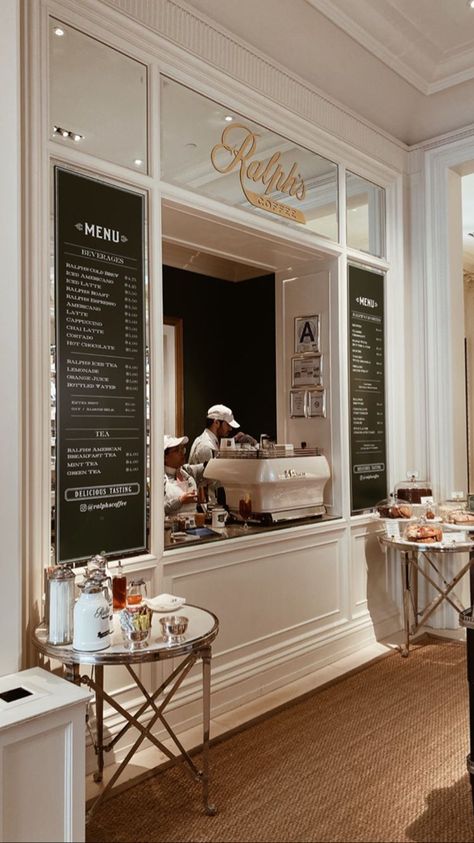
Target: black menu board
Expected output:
[367,388]
[100,368]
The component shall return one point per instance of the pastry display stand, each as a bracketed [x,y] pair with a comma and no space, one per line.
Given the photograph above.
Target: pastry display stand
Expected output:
[195,645]
[427,560]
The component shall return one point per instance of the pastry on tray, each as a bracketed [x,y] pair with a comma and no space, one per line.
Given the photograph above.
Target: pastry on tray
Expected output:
[459,516]
[423,533]
[394,510]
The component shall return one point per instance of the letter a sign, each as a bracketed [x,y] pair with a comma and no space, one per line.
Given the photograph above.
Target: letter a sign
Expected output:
[307,334]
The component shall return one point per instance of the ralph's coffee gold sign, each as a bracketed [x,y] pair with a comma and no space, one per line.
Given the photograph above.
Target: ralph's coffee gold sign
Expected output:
[236,150]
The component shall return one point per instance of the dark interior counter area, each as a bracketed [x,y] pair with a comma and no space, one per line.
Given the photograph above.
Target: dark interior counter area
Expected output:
[235,529]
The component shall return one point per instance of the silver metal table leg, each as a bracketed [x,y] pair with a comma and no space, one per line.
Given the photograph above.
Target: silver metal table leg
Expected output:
[209,808]
[405,563]
[99,714]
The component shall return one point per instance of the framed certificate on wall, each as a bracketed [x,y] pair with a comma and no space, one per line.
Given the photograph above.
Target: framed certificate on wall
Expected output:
[297,403]
[316,403]
[306,371]
[307,334]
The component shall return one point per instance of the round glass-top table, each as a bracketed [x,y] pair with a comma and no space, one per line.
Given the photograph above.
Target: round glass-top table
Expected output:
[194,645]
[202,628]
[412,555]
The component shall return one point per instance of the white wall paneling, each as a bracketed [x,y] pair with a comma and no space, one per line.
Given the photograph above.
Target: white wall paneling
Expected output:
[284,605]
[375,587]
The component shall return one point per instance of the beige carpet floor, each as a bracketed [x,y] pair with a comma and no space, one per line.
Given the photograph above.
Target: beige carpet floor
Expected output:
[377,756]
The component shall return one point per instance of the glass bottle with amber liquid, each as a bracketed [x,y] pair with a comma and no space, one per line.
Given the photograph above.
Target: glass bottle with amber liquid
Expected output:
[119,588]
[245,509]
[201,507]
[136,591]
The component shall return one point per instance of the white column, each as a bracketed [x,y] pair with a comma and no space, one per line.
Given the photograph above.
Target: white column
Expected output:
[10,373]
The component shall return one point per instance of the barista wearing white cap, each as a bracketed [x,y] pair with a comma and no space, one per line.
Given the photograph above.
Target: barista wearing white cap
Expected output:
[181,481]
[220,423]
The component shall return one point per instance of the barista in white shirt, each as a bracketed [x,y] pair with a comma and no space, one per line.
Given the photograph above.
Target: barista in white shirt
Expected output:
[181,481]
[220,423]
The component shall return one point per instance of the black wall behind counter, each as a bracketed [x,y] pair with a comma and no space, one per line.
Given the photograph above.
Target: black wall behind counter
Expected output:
[228,347]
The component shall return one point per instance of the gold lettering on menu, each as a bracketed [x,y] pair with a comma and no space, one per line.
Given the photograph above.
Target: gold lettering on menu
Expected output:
[227,156]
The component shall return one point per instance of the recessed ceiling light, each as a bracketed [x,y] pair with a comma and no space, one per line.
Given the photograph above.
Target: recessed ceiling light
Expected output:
[470,3]
[58,31]
[67,133]
[228,118]
[190,145]
[138,162]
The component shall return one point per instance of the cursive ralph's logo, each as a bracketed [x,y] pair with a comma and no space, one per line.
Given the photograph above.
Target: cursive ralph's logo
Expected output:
[236,149]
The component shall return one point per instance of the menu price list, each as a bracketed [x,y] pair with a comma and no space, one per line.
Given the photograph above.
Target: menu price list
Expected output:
[100,337]
[367,388]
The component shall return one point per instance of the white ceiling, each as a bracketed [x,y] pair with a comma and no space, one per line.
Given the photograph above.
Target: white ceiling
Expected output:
[406,66]
[430,43]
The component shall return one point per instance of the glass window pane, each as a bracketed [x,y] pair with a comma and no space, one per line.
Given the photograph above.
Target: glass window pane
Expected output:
[365,217]
[98,98]
[218,153]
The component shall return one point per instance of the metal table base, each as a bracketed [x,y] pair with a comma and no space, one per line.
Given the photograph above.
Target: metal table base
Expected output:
[154,705]
[411,556]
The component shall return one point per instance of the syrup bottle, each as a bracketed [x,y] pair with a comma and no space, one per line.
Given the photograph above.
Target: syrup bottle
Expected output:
[119,588]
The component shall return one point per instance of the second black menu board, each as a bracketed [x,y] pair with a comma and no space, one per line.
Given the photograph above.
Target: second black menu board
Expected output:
[367,388]
[100,368]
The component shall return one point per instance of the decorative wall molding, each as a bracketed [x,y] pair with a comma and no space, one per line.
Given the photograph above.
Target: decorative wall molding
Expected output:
[445,389]
[458,135]
[178,23]
[373,30]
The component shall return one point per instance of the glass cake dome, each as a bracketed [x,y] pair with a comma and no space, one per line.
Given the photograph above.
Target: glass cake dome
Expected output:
[394,507]
[413,490]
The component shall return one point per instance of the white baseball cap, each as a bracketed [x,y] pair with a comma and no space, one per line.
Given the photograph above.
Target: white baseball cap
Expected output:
[222,413]
[174,441]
